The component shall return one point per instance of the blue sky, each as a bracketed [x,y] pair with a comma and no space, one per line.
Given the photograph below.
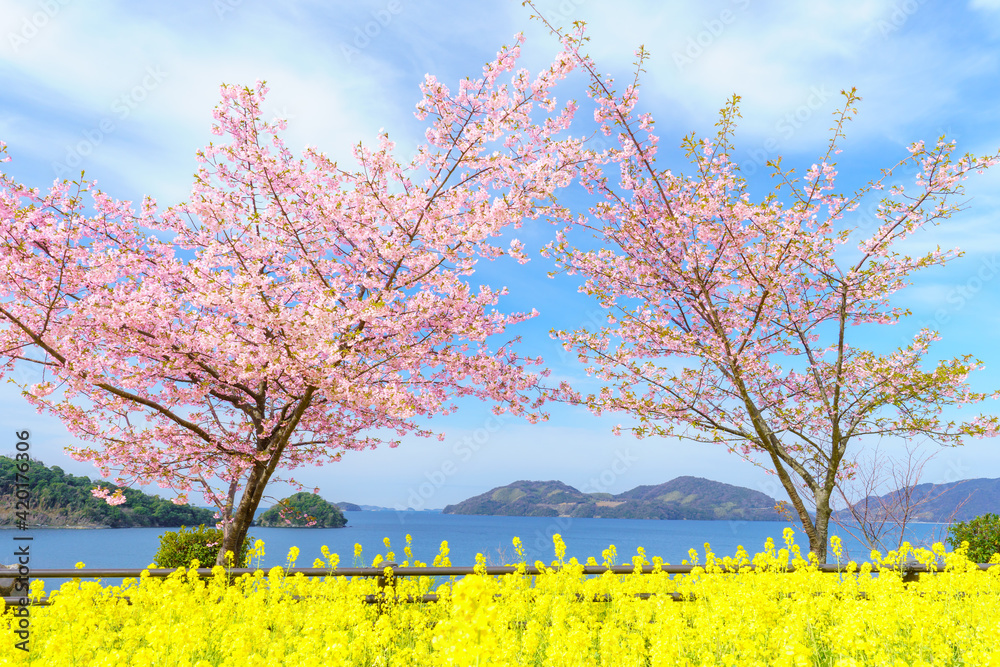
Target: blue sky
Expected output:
[125,91]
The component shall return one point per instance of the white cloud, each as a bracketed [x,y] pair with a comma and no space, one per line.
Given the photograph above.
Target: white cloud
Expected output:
[776,57]
[95,64]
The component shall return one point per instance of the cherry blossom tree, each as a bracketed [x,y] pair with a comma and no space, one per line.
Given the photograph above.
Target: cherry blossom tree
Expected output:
[741,322]
[290,310]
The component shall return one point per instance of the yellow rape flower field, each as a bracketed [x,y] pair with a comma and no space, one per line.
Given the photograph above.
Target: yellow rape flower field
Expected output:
[763,616]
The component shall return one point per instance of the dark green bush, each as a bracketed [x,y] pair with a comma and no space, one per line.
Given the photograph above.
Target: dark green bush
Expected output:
[982,534]
[179,548]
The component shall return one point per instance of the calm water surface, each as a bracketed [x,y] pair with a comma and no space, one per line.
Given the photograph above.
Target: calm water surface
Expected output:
[466,536]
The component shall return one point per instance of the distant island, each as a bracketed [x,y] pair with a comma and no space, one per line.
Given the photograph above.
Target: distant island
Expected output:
[300,510]
[941,503]
[61,500]
[703,499]
[693,498]
[351,507]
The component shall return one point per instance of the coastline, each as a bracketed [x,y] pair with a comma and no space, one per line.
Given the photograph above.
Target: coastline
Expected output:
[34,526]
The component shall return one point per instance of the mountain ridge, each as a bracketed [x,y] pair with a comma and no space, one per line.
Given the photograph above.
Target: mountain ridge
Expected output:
[940,503]
[684,497]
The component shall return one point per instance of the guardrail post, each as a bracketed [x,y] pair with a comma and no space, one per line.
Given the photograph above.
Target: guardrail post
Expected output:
[386,586]
[910,574]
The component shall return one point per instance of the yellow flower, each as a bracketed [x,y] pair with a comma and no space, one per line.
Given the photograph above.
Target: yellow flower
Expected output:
[838,549]
[764,617]
[358,562]
[560,547]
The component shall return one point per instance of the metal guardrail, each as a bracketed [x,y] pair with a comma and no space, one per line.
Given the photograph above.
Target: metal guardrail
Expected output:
[911,572]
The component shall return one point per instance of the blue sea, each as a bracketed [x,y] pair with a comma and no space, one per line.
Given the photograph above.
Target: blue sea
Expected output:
[466,536]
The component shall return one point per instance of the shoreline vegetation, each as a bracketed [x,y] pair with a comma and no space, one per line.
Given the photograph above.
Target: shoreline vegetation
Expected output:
[61,500]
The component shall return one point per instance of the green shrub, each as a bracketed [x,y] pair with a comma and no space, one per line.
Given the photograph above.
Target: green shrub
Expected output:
[982,534]
[179,548]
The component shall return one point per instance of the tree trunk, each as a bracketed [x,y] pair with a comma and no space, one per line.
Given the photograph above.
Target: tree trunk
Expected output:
[816,530]
[818,541]
[235,532]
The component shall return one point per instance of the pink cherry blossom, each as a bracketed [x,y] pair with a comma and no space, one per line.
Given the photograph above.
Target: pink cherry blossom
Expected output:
[291,309]
[41,390]
[116,498]
[733,322]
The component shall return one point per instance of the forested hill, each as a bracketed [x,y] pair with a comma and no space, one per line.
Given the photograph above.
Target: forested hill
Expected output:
[941,503]
[680,498]
[300,510]
[59,499]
